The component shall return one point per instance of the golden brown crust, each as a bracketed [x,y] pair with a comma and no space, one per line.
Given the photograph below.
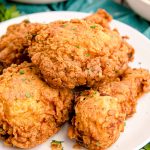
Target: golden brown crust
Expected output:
[101,17]
[13,45]
[98,120]
[133,84]
[69,53]
[77,53]
[100,115]
[31,111]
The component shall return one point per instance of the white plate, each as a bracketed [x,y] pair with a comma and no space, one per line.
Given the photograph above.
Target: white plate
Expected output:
[137,131]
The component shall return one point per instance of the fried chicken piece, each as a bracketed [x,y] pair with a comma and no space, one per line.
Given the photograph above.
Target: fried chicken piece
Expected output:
[98,120]
[134,83]
[101,17]
[69,54]
[100,115]
[77,53]
[30,110]
[14,43]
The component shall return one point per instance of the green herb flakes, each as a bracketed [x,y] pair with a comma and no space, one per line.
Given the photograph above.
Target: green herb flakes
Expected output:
[95,92]
[24,79]
[87,55]
[56,142]
[77,46]
[64,25]
[124,123]
[56,145]
[97,144]
[93,27]
[21,71]
[74,28]
[28,95]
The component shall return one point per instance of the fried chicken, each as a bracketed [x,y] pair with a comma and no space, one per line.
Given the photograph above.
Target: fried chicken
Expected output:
[78,53]
[69,53]
[98,120]
[101,17]
[134,83]
[14,43]
[30,110]
[100,115]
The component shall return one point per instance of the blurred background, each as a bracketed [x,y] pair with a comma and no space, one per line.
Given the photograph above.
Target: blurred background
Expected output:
[135,13]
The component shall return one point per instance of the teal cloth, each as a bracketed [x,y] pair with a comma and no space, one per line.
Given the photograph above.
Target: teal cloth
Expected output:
[118,11]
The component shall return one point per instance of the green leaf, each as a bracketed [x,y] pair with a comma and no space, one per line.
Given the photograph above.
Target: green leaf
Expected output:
[147,147]
[8,13]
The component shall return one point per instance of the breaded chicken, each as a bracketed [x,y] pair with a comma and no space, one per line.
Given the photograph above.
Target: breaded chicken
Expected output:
[69,53]
[30,110]
[14,44]
[100,115]
[78,53]
[98,120]
[101,17]
[133,84]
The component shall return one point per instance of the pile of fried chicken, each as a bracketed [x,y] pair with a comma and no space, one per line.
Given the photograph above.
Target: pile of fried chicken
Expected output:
[67,70]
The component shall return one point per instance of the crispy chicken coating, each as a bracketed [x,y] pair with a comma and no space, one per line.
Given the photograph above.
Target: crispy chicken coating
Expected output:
[14,43]
[100,17]
[100,115]
[77,53]
[134,83]
[98,120]
[69,54]
[30,110]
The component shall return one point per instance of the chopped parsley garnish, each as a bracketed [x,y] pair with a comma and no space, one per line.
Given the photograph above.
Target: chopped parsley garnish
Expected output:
[93,27]
[56,145]
[28,95]
[74,28]
[21,71]
[95,92]
[77,46]
[24,79]
[97,144]
[64,25]
[87,54]
[56,142]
